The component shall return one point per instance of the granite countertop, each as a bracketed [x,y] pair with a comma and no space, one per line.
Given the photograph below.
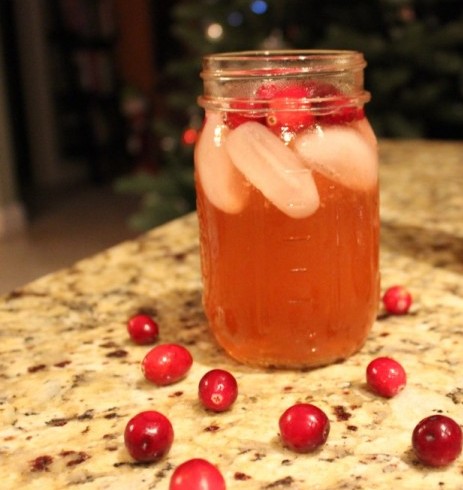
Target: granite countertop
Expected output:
[71,379]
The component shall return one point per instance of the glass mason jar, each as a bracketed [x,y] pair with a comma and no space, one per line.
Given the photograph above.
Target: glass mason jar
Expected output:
[286,175]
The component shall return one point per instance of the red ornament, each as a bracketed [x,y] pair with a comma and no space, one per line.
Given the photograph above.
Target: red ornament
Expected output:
[189,136]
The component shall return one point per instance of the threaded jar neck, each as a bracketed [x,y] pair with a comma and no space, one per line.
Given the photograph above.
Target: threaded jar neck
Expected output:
[237,75]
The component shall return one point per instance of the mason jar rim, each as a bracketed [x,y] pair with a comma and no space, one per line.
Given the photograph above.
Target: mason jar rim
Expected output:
[229,77]
[283,53]
[237,64]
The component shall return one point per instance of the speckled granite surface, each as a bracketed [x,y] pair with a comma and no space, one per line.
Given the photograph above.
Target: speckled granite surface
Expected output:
[70,377]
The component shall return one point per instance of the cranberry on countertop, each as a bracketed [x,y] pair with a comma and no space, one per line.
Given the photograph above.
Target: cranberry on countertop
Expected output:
[218,390]
[397,300]
[166,364]
[197,474]
[143,329]
[437,440]
[148,436]
[304,427]
[386,377]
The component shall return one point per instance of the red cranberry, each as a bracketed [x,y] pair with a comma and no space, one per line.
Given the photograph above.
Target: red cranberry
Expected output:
[304,427]
[143,329]
[197,474]
[266,91]
[166,364]
[437,440]
[321,90]
[342,113]
[285,110]
[397,300]
[386,377]
[244,111]
[148,436]
[218,390]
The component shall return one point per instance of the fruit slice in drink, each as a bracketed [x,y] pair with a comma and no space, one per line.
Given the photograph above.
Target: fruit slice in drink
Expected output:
[223,184]
[272,168]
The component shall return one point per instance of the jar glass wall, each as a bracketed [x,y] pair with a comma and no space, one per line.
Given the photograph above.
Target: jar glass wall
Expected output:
[286,175]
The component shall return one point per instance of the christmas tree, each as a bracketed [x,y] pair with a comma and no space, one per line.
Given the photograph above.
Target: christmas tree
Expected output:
[415,68]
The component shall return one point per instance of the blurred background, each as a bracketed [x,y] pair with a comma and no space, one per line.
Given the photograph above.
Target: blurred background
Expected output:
[98,114]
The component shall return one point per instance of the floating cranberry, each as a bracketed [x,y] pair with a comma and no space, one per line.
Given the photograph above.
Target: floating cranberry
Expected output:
[266,91]
[343,113]
[386,377]
[304,427]
[286,112]
[321,90]
[148,436]
[397,300]
[333,107]
[143,329]
[243,111]
[166,364]
[197,474]
[437,440]
[218,390]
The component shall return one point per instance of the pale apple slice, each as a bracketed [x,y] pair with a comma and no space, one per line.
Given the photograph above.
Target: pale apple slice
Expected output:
[270,166]
[224,186]
[340,153]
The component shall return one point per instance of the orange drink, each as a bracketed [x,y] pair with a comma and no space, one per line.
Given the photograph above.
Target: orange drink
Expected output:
[287,200]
